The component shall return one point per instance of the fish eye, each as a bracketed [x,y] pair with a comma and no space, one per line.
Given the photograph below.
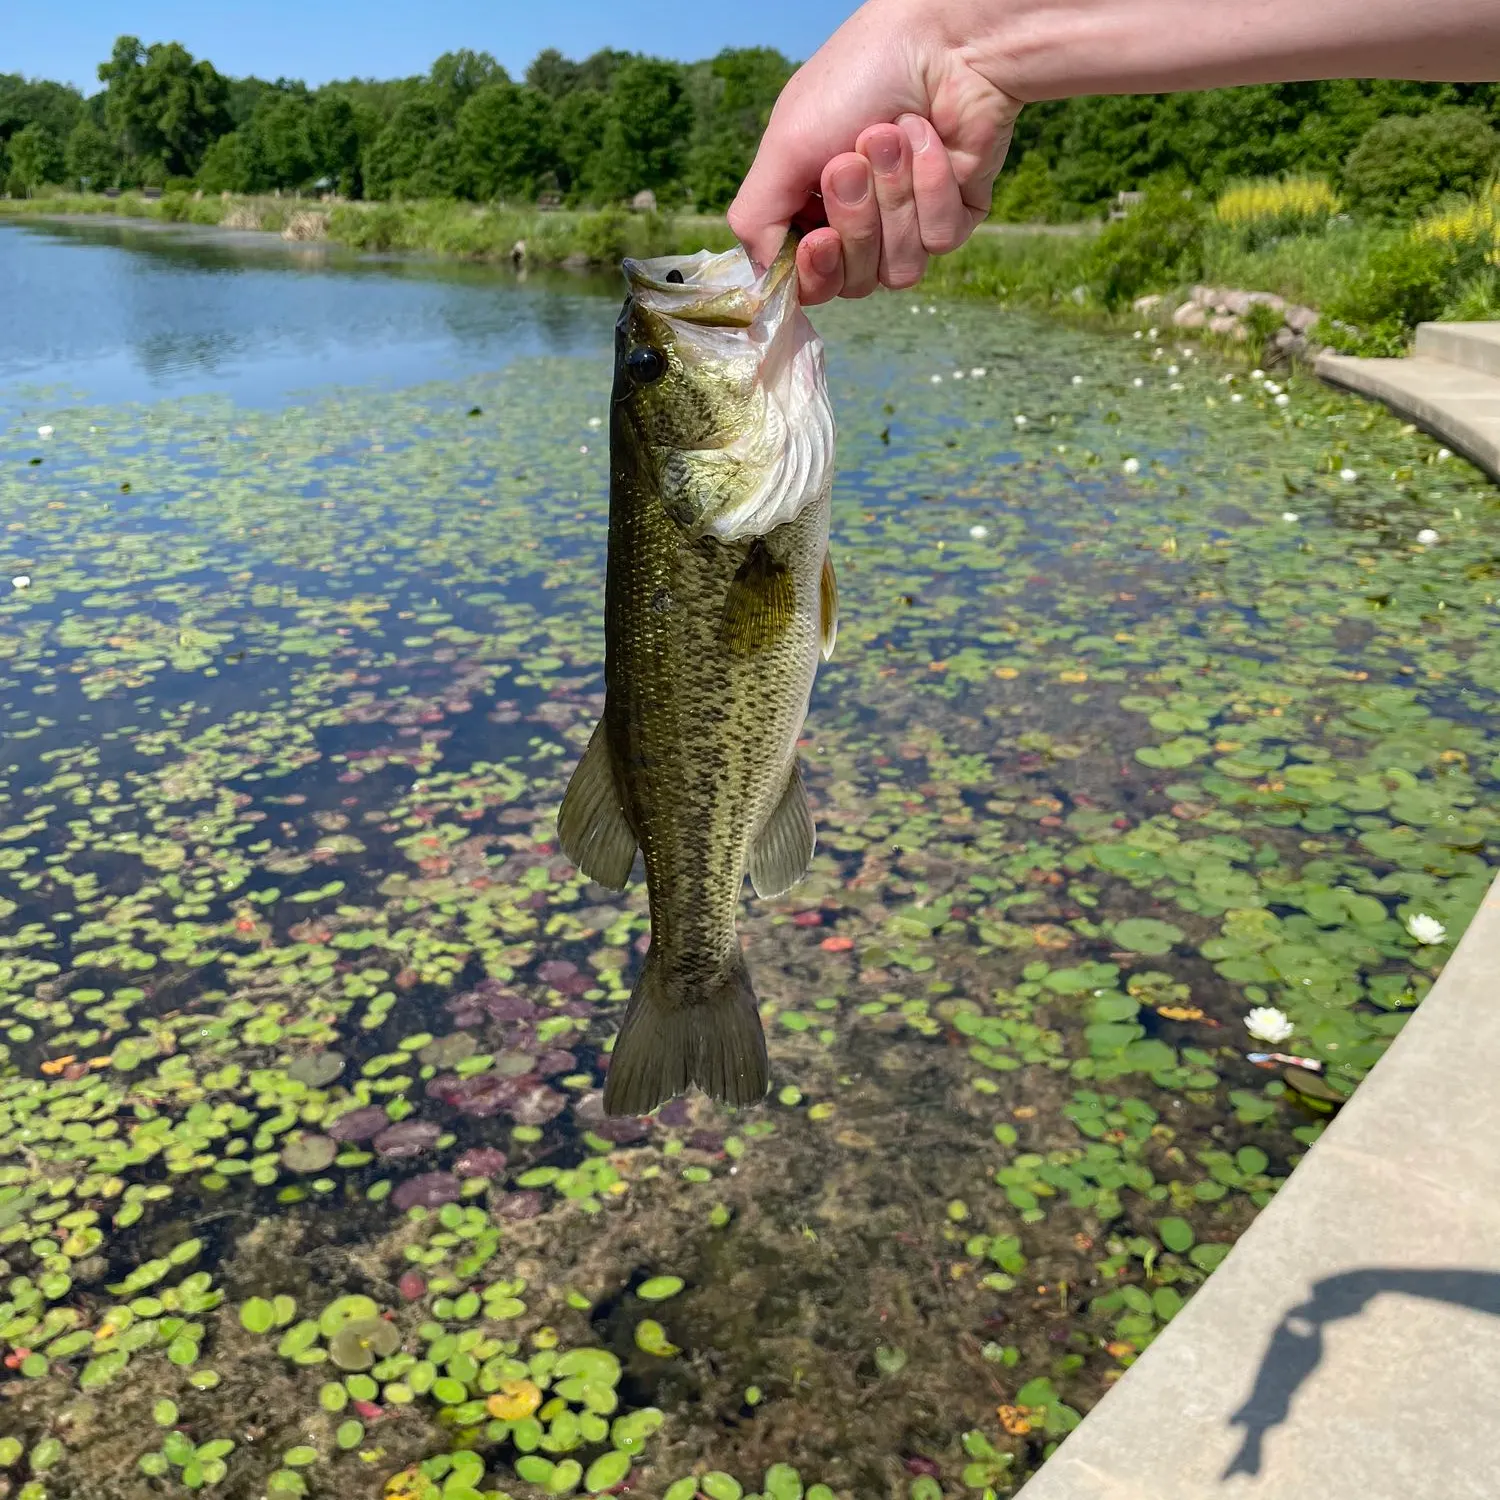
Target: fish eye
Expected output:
[646,365]
[675,276]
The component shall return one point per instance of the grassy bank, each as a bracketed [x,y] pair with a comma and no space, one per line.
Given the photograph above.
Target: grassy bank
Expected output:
[1374,280]
[439,227]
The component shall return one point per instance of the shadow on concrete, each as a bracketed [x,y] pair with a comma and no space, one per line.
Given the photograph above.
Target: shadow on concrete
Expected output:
[1296,1346]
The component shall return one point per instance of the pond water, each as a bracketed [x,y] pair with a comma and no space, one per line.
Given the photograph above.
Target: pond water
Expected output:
[1148,709]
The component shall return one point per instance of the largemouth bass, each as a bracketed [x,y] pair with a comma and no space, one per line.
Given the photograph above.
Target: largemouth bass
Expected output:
[719,597]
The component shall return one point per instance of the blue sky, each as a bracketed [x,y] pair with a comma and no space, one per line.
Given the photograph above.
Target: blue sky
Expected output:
[317,40]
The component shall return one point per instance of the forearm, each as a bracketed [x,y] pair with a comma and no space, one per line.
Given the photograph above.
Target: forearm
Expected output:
[1052,49]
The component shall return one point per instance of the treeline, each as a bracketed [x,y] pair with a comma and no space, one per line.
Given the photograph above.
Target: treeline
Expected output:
[600,130]
[1072,155]
[592,132]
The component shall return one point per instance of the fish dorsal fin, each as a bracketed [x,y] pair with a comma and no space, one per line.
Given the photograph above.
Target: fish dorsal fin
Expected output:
[761,602]
[828,606]
[783,853]
[591,823]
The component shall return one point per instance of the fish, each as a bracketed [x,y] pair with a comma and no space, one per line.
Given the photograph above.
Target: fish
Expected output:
[719,601]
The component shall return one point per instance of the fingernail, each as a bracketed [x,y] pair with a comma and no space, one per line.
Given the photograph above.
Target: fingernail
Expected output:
[884,153]
[826,256]
[916,132]
[851,184]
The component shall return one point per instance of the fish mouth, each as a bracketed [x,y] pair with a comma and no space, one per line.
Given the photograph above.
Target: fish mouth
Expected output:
[711,290]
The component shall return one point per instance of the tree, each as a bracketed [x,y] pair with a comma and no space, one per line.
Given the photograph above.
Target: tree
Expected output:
[414,156]
[456,77]
[163,107]
[284,140]
[1405,163]
[333,134]
[552,74]
[90,156]
[225,167]
[648,121]
[34,159]
[579,119]
[505,142]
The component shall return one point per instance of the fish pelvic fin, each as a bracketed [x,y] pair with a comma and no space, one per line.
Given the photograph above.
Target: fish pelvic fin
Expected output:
[783,853]
[828,606]
[591,823]
[667,1043]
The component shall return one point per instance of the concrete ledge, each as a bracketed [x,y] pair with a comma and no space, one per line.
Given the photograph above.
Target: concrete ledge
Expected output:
[1349,1345]
[1456,403]
[1476,346]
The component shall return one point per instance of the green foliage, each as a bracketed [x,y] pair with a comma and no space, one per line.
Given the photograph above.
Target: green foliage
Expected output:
[1028,195]
[34,159]
[1158,243]
[1405,164]
[90,157]
[162,107]
[414,156]
[1403,283]
[504,141]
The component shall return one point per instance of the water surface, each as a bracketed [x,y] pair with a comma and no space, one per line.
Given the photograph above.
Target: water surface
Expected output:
[1141,716]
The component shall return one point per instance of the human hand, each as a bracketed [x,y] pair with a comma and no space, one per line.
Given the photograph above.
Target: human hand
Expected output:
[888,140]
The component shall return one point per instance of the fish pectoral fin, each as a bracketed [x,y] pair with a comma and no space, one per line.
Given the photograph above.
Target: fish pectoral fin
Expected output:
[828,606]
[783,853]
[591,823]
[761,603]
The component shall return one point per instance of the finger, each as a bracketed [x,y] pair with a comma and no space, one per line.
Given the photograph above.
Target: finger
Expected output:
[820,267]
[944,220]
[902,258]
[850,203]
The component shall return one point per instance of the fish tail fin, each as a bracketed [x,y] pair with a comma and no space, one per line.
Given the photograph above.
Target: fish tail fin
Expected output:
[715,1041]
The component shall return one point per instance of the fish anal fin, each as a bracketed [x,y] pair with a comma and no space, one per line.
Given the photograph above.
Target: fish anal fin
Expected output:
[828,606]
[591,824]
[783,853]
[761,603]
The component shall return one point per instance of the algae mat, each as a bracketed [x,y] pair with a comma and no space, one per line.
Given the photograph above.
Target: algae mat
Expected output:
[1150,708]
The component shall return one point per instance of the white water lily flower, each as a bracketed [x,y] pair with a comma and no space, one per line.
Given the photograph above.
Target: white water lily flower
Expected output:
[1137,334]
[958,374]
[1171,369]
[1427,536]
[1176,385]
[1137,381]
[1131,466]
[596,421]
[1150,333]
[917,311]
[1235,397]
[1020,419]
[44,433]
[1443,453]
[583,447]
[931,308]
[1272,388]
[1426,929]
[937,379]
[1348,475]
[1257,374]
[20,581]
[1283,399]
[1267,1024]
[1078,380]
[1290,516]
[979,532]
[977,373]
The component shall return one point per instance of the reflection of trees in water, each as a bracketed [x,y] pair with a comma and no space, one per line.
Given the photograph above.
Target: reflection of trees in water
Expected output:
[179,305]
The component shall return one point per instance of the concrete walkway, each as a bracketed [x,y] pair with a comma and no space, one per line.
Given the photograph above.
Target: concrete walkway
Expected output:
[1450,385]
[1348,1348]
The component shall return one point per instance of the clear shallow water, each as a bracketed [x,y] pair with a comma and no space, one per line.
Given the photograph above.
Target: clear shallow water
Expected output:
[1104,758]
[123,313]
